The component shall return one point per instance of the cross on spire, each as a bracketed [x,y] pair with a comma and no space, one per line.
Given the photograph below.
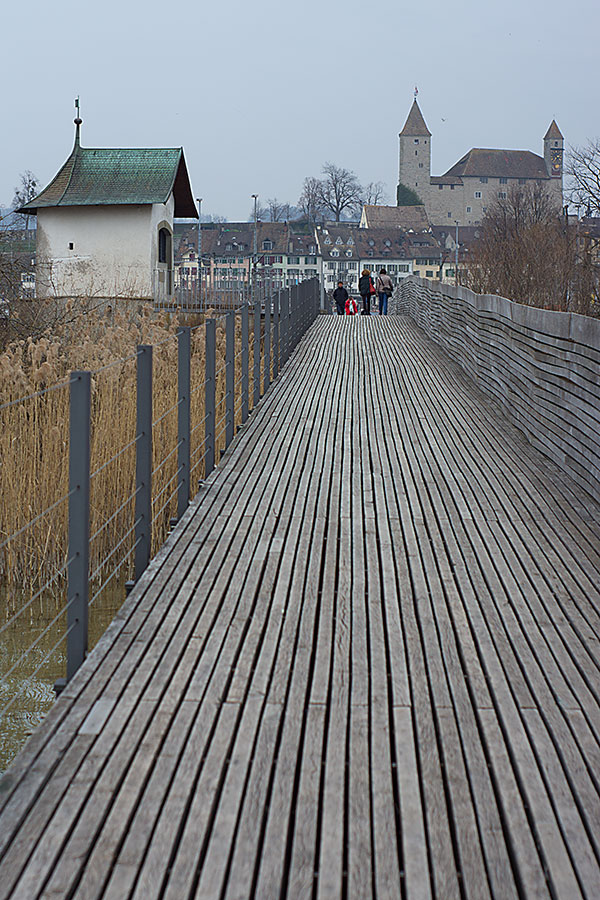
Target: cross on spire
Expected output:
[77,121]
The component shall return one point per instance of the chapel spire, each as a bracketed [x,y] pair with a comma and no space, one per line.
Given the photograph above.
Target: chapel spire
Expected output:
[78,122]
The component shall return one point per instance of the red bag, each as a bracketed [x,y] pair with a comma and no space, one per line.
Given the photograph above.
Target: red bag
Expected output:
[371,287]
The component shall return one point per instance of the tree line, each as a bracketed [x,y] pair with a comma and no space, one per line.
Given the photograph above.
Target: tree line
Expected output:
[337,194]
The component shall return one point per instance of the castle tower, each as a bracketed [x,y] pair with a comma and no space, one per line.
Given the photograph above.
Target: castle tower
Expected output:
[414,171]
[554,146]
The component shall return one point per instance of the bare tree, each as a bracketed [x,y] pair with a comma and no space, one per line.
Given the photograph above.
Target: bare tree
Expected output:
[26,192]
[528,252]
[340,191]
[583,173]
[278,212]
[375,193]
[309,201]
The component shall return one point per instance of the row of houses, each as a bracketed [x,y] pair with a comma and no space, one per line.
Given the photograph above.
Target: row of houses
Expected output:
[400,239]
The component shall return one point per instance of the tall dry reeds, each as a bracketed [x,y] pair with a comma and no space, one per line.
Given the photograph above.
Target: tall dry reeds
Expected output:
[34,437]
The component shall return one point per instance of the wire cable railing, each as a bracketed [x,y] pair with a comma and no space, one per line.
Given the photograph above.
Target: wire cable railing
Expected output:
[156,465]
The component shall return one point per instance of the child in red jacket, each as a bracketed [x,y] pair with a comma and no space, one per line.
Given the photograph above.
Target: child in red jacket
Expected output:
[351,307]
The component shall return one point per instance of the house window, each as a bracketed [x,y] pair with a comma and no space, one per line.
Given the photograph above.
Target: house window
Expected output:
[403,267]
[267,245]
[440,186]
[429,273]
[348,252]
[350,240]
[420,165]
[451,187]
[338,240]
[449,215]
[522,180]
[416,152]
[449,273]
[468,209]
[483,179]
[71,245]
[502,195]
[293,260]
[327,240]
[478,195]
[164,245]
[387,243]
[416,140]
[504,181]
[228,246]
[335,252]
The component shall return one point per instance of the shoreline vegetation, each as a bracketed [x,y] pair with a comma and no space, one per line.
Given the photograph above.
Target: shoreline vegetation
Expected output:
[34,466]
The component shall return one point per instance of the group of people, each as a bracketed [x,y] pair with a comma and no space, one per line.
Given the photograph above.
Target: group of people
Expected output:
[383,287]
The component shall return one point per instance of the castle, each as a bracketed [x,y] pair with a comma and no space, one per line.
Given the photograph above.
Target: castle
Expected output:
[463,194]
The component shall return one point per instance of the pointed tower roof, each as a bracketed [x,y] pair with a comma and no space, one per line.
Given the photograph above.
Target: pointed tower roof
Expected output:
[415,124]
[554,132]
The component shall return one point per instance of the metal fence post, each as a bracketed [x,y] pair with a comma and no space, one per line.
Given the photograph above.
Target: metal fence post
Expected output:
[79,520]
[209,396]
[284,327]
[267,359]
[256,355]
[276,312]
[143,463]
[245,361]
[229,376]
[184,344]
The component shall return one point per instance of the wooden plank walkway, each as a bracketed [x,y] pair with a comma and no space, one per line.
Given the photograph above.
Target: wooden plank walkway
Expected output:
[365,665]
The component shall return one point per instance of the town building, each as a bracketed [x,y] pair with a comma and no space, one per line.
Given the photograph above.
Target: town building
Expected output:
[467,190]
[286,253]
[105,223]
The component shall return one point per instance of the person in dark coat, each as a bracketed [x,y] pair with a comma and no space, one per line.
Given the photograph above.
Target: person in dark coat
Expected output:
[385,289]
[340,295]
[365,289]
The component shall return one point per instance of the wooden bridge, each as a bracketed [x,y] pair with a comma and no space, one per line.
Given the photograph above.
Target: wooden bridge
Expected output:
[365,665]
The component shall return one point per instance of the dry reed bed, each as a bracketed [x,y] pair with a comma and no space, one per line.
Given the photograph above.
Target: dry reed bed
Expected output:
[34,437]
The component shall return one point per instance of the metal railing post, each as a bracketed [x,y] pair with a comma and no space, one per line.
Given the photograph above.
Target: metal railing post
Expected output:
[209,396]
[184,344]
[229,376]
[256,356]
[245,361]
[143,463]
[285,330]
[267,359]
[276,313]
[79,520]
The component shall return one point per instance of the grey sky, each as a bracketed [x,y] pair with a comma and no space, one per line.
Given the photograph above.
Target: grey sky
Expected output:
[261,94]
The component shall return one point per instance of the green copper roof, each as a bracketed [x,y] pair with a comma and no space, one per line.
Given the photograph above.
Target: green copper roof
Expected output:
[116,177]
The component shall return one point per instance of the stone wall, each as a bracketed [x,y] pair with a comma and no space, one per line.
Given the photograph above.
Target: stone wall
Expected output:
[541,366]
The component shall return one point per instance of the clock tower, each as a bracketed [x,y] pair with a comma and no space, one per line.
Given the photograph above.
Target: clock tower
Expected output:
[554,145]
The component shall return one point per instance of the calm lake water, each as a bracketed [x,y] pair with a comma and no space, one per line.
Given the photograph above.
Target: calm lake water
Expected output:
[32,690]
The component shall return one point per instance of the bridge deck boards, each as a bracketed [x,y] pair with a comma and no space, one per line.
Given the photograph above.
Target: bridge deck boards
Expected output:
[366,664]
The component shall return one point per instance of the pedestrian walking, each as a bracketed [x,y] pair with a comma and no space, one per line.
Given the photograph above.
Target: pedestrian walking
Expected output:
[366,290]
[351,306]
[384,290]
[340,295]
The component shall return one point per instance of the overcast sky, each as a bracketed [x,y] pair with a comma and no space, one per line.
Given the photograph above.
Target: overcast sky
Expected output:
[261,94]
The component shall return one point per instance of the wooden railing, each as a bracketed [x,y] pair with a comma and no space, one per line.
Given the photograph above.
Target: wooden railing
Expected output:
[541,365]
